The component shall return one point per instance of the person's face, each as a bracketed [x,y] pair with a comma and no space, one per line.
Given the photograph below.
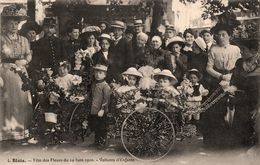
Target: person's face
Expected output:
[91,40]
[74,34]
[156,44]
[193,78]
[170,33]
[112,35]
[103,26]
[105,45]
[12,26]
[131,80]
[164,82]
[49,30]
[176,49]
[189,38]
[63,71]
[223,37]
[118,32]
[140,42]
[129,36]
[31,35]
[138,29]
[207,37]
[99,74]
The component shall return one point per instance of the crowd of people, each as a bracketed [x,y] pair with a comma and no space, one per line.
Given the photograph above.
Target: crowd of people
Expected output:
[206,59]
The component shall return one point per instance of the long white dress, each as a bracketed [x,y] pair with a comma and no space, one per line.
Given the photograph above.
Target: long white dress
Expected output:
[15,104]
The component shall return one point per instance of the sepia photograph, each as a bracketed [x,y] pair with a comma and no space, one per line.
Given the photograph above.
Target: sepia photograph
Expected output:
[119,82]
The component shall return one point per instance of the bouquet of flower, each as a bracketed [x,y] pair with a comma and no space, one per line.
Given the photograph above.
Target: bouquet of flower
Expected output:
[80,55]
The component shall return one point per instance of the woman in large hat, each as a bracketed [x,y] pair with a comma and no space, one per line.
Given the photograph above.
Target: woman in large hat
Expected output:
[15,53]
[216,122]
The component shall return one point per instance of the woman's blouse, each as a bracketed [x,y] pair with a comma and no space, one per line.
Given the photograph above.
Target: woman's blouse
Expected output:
[18,48]
[222,58]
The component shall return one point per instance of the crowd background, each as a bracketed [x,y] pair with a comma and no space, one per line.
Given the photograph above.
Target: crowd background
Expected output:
[214,59]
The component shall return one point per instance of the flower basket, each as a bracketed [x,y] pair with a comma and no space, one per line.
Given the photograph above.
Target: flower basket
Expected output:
[50,117]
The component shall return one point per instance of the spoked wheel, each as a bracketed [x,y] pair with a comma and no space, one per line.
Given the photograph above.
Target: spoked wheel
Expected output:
[147,135]
[77,124]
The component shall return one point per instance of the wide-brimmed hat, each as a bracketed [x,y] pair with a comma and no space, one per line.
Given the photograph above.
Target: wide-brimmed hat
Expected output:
[195,72]
[221,26]
[104,36]
[132,71]
[138,22]
[170,27]
[14,11]
[201,43]
[176,40]
[166,73]
[118,24]
[100,67]
[49,21]
[31,25]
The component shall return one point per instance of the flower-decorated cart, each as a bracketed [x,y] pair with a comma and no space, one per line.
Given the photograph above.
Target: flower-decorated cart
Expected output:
[58,115]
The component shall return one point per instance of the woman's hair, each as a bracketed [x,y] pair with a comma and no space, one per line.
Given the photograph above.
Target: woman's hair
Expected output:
[66,64]
[125,82]
[162,77]
[189,30]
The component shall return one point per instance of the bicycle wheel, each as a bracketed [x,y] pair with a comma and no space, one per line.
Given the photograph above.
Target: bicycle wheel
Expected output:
[148,135]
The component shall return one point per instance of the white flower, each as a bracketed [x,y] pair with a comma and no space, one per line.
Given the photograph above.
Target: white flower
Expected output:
[76,80]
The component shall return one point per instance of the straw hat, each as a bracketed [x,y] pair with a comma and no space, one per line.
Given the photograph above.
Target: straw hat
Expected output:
[166,73]
[118,24]
[138,22]
[196,72]
[175,40]
[100,67]
[201,43]
[14,11]
[105,36]
[132,71]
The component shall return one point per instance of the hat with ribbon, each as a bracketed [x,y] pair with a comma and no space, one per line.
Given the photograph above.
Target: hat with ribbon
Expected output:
[14,11]
[118,24]
[132,71]
[100,67]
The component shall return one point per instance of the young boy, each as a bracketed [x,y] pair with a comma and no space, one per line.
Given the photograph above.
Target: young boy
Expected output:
[99,107]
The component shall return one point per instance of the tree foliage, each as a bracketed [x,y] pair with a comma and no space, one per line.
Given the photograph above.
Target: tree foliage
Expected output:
[213,7]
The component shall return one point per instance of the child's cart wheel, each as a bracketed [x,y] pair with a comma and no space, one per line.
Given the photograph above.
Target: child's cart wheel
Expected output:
[147,135]
[77,124]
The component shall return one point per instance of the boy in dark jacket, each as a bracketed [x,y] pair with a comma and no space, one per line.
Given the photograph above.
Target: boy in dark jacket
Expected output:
[99,107]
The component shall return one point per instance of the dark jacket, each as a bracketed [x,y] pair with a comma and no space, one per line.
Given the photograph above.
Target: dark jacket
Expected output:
[51,51]
[122,57]
[72,46]
[99,58]
[155,58]
[100,97]
[181,65]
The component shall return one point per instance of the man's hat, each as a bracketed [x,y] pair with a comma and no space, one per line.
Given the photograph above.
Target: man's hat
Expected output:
[100,67]
[175,40]
[49,21]
[118,24]
[31,25]
[170,27]
[14,11]
[104,36]
[138,22]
